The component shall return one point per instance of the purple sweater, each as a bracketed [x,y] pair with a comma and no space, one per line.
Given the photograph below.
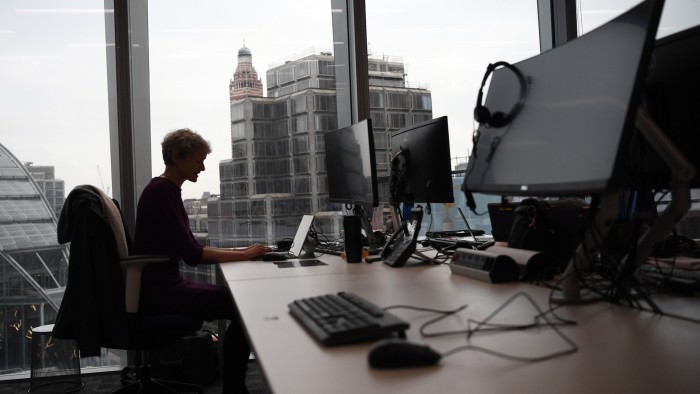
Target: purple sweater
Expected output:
[162,227]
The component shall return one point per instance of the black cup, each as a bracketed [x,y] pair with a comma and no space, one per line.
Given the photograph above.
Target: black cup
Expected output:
[352,227]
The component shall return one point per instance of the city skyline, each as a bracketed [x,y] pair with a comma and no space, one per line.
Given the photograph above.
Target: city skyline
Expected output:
[52,66]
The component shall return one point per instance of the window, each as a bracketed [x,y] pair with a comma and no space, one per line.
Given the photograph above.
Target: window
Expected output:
[397,120]
[301,69]
[299,104]
[397,100]
[237,131]
[436,67]
[376,99]
[325,122]
[55,118]
[677,15]
[324,103]
[301,165]
[300,145]
[326,68]
[421,101]
[300,124]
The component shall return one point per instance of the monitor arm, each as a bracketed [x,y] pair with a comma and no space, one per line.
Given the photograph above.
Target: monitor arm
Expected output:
[367,226]
[682,173]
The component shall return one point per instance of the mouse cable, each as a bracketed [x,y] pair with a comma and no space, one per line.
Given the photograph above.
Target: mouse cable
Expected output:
[443,313]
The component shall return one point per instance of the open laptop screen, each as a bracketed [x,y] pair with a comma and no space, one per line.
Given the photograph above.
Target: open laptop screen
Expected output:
[300,237]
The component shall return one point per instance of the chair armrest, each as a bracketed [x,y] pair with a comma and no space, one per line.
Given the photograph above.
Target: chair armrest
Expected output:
[132,267]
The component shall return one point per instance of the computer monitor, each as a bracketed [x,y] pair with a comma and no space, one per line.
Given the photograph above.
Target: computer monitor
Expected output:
[672,100]
[576,115]
[421,167]
[351,165]
[573,111]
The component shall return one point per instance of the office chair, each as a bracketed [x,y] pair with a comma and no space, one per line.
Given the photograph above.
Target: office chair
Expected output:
[100,304]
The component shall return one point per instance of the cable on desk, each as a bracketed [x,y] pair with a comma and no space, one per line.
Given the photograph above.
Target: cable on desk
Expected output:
[504,327]
[486,326]
[443,313]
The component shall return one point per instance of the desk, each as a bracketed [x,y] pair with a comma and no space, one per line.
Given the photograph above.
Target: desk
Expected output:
[620,350]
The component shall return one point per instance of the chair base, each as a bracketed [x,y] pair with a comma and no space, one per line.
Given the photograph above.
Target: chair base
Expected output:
[147,385]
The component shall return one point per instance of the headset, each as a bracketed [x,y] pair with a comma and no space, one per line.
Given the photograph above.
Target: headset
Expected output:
[499,119]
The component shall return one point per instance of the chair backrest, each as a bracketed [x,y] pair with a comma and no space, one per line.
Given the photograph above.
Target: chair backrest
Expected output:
[93,308]
[115,221]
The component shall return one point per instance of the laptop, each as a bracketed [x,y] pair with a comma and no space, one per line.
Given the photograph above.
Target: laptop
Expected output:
[477,238]
[468,238]
[300,237]
[297,245]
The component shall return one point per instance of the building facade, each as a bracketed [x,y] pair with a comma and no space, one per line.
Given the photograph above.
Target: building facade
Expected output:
[54,189]
[277,170]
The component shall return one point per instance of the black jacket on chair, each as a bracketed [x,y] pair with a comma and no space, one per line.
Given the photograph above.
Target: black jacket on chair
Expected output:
[92,311]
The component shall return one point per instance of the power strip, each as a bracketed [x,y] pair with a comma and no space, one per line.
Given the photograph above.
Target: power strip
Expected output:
[484,265]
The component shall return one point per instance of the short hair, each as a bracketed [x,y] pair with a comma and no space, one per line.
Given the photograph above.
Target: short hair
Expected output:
[181,143]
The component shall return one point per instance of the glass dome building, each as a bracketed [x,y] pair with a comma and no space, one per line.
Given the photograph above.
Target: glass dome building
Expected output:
[33,265]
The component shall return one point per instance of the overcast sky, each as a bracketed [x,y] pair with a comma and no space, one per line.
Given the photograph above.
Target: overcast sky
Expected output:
[53,107]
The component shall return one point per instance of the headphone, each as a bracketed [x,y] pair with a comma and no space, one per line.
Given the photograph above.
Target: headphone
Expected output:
[499,119]
[398,179]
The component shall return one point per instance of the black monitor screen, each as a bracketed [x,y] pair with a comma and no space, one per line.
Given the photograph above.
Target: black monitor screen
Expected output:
[424,163]
[577,114]
[351,165]
[672,100]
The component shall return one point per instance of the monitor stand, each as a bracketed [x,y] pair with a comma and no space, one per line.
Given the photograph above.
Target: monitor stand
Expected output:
[358,210]
[682,173]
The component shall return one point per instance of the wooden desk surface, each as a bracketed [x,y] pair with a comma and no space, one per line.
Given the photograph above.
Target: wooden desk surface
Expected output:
[620,350]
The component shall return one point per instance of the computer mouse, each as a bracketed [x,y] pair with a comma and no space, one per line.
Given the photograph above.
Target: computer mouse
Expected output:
[274,256]
[400,353]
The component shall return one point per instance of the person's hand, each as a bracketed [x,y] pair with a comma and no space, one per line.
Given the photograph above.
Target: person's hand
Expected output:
[258,249]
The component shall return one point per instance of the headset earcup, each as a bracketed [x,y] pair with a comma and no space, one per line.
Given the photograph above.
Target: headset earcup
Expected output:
[498,119]
[482,114]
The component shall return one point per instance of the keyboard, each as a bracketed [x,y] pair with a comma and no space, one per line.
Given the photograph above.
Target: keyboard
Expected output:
[454,233]
[483,238]
[690,278]
[334,319]
[465,242]
[328,251]
[282,255]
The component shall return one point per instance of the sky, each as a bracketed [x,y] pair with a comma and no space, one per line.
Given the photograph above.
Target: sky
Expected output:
[53,100]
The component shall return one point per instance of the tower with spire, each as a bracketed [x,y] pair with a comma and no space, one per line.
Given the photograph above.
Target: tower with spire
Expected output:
[245,82]
[277,170]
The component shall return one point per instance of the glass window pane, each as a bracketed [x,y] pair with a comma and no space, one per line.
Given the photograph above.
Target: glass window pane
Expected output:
[428,61]
[677,15]
[245,84]
[55,136]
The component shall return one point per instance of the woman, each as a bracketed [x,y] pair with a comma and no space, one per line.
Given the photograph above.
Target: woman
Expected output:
[162,227]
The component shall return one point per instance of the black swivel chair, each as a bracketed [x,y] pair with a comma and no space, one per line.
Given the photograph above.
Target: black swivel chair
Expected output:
[100,304]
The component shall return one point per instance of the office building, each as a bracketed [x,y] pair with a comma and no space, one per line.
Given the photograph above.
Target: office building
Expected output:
[196,209]
[277,168]
[54,189]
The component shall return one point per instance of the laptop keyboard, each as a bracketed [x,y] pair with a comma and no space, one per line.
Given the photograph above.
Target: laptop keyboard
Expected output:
[689,278]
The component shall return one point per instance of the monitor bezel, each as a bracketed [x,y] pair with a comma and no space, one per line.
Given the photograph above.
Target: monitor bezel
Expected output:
[363,125]
[477,178]
[441,163]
